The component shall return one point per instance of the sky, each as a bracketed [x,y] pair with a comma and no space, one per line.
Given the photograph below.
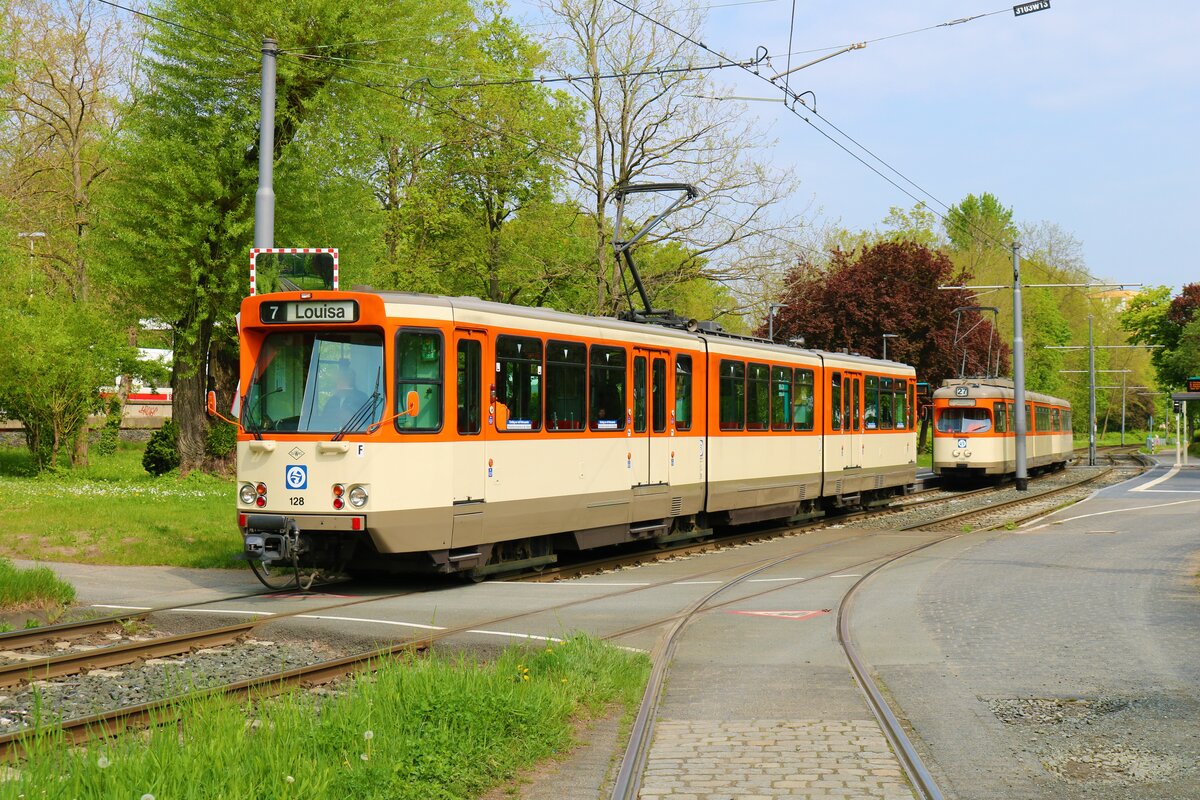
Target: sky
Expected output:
[1086,115]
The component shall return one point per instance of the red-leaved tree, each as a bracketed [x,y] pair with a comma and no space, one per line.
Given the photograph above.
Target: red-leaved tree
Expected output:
[891,287]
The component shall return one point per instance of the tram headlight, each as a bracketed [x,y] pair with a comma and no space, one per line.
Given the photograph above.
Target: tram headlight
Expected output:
[358,496]
[247,494]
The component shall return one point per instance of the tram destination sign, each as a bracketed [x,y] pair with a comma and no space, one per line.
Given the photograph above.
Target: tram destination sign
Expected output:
[1029,8]
[280,312]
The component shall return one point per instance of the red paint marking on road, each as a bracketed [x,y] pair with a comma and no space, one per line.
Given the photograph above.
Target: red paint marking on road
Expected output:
[782,614]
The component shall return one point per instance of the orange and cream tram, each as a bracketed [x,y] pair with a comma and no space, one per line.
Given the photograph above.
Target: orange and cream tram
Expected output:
[389,431]
[974,433]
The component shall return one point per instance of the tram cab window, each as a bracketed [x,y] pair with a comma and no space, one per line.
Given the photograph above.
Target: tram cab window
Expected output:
[835,401]
[606,410]
[758,397]
[733,395]
[470,390]
[518,383]
[419,369]
[803,400]
[871,406]
[316,383]
[683,393]
[781,398]
[1001,420]
[566,385]
[964,420]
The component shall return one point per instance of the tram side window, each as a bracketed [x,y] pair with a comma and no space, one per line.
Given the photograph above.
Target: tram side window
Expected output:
[1028,418]
[902,404]
[887,403]
[518,383]
[683,393]
[1001,421]
[1067,422]
[658,381]
[758,398]
[852,403]
[419,369]
[781,398]
[1043,418]
[803,401]
[871,408]
[470,365]
[566,385]
[639,394]
[606,369]
[835,401]
[1055,419]
[733,396]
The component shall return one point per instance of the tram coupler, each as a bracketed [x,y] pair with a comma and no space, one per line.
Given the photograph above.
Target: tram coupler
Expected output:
[270,538]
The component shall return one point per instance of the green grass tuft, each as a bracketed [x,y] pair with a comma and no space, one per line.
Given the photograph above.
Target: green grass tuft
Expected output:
[23,588]
[430,728]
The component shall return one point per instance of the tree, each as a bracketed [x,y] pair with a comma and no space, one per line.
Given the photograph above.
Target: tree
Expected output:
[1155,317]
[646,125]
[891,287]
[181,226]
[54,357]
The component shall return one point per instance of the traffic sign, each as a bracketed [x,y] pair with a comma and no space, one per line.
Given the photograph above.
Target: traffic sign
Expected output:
[1029,8]
[1193,384]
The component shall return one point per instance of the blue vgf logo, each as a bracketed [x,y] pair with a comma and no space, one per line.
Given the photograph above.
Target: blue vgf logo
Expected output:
[296,477]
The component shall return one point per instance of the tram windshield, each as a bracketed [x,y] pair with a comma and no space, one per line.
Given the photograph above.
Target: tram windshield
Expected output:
[964,420]
[316,383]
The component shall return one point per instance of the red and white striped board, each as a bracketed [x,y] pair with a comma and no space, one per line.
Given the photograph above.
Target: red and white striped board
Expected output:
[254,251]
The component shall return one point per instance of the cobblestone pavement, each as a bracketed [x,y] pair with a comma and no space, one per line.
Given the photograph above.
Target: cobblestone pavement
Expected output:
[752,759]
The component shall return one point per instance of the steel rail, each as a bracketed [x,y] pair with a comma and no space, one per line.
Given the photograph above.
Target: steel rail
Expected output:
[78,731]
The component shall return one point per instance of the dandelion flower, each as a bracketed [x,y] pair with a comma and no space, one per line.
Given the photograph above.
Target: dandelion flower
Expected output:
[564,680]
[368,735]
[524,677]
[103,763]
[549,649]
[289,779]
[364,756]
[147,796]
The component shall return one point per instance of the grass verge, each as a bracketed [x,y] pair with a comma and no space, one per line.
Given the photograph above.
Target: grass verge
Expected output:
[428,728]
[24,588]
[114,512]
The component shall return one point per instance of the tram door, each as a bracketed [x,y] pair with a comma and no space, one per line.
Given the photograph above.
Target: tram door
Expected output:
[649,444]
[852,386]
[468,452]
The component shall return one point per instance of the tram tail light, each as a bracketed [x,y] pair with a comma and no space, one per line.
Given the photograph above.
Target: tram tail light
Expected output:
[339,492]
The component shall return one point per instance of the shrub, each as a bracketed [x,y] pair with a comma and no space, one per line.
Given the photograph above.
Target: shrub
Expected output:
[221,440]
[110,434]
[162,451]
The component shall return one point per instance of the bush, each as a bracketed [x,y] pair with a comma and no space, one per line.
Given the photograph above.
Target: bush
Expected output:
[162,451]
[110,434]
[221,440]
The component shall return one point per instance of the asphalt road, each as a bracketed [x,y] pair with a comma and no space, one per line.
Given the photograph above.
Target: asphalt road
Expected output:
[1059,660]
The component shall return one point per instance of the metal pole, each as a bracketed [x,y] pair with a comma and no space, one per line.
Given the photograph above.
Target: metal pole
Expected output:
[1019,374]
[884,349]
[1184,444]
[1091,396]
[264,199]
[771,323]
[1123,410]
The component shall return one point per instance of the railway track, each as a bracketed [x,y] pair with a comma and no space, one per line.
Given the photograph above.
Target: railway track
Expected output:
[634,760]
[79,730]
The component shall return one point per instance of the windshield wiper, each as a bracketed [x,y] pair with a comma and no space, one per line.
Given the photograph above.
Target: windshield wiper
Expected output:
[364,412]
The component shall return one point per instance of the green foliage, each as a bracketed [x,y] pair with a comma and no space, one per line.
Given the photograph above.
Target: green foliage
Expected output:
[162,451]
[54,357]
[980,223]
[39,586]
[110,434]
[222,439]
[428,728]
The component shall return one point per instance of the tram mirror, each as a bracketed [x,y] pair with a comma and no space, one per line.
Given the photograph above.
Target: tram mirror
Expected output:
[293,272]
[211,404]
[412,404]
